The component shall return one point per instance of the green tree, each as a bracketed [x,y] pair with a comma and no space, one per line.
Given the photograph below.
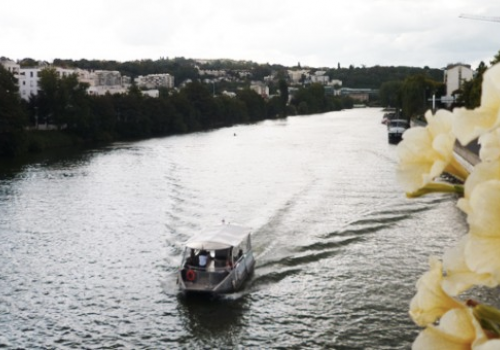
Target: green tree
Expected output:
[274,107]
[470,96]
[415,92]
[103,118]
[261,71]
[232,110]
[283,88]
[63,101]
[75,105]
[303,108]
[48,104]
[28,62]
[203,103]
[132,121]
[186,118]
[496,59]
[310,100]
[390,93]
[13,119]
[255,105]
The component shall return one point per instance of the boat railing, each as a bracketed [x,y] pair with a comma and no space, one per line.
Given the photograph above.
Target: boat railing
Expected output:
[209,268]
[205,275]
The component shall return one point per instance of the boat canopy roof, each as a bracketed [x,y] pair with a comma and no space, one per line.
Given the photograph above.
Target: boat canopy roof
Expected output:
[219,237]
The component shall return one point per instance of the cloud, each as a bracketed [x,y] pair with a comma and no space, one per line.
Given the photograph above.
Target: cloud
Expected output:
[314,32]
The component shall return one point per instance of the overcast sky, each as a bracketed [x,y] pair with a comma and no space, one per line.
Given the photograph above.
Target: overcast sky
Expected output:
[316,33]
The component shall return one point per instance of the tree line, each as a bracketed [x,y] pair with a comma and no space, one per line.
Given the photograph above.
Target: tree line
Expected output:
[412,95]
[64,103]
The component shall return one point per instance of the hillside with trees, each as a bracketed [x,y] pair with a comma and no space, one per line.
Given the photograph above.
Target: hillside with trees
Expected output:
[63,103]
[194,104]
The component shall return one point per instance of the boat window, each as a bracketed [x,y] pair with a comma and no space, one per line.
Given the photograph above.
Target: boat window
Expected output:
[221,254]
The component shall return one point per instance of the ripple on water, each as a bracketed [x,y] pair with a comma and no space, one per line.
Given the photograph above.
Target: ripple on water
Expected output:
[91,241]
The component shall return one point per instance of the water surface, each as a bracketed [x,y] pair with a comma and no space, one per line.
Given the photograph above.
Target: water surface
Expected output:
[90,242]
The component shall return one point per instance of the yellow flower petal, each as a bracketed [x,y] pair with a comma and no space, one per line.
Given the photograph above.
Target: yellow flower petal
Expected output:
[484,209]
[490,89]
[470,124]
[431,302]
[456,331]
[482,256]
[424,153]
[490,146]
[483,172]
[493,344]
[459,277]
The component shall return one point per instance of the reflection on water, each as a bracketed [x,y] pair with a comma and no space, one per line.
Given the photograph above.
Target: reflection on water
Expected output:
[215,321]
[91,240]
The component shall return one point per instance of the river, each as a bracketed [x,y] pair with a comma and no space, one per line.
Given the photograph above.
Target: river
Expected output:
[90,241]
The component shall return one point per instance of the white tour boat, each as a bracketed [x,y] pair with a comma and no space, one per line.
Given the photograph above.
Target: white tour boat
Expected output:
[217,260]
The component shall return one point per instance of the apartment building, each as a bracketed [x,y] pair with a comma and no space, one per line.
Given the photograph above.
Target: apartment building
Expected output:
[455,75]
[102,82]
[260,88]
[320,77]
[296,76]
[155,81]
[11,66]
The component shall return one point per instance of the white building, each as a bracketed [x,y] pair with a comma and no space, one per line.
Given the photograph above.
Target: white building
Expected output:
[212,72]
[27,78]
[102,82]
[11,66]
[107,78]
[155,81]
[297,75]
[335,82]
[455,75]
[28,81]
[260,88]
[229,93]
[151,93]
[320,77]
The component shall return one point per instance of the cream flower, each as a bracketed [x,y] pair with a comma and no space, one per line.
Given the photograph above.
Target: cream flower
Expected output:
[483,172]
[492,344]
[483,209]
[470,124]
[490,146]
[482,256]
[424,153]
[457,329]
[482,247]
[431,302]
[459,277]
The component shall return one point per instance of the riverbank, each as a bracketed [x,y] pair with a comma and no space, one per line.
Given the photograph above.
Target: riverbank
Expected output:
[42,140]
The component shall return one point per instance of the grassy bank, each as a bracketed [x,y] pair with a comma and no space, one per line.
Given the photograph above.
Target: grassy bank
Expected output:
[38,140]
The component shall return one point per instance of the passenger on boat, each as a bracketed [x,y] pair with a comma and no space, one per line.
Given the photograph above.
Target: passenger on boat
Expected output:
[203,257]
[192,258]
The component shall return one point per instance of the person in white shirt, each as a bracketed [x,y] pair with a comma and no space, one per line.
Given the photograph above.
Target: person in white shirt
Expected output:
[203,258]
